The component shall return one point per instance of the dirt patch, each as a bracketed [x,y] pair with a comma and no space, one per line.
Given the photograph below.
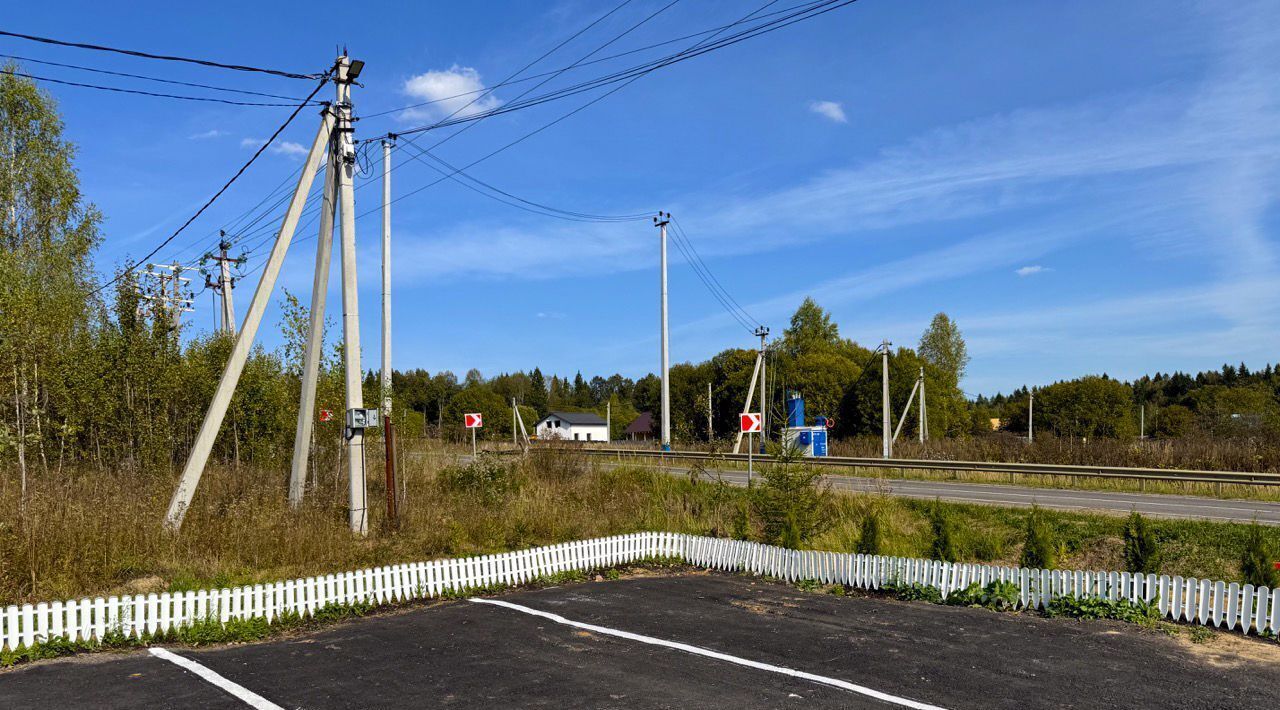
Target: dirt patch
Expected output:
[1231,650]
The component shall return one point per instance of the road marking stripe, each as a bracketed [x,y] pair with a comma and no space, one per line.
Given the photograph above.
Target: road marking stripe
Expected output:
[250,698]
[697,651]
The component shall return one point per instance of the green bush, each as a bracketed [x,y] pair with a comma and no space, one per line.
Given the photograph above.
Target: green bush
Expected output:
[969,596]
[1039,551]
[488,476]
[1141,548]
[944,547]
[791,503]
[869,537]
[1000,596]
[1257,561]
[1090,608]
[916,593]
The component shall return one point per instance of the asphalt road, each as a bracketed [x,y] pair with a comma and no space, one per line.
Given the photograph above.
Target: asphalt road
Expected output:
[1154,504]
[695,641]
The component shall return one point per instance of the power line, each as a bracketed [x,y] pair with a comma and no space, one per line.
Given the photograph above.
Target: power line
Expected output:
[192,218]
[151,78]
[532,206]
[628,75]
[118,90]
[164,57]
[581,64]
[683,236]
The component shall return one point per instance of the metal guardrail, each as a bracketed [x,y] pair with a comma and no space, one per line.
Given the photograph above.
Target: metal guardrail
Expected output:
[1041,469]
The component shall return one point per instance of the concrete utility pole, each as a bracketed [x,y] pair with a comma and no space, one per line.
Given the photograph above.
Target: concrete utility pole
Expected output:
[746,406]
[885,433]
[924,418]
[711,434]
[315,336]
[1031,416]
[358,514]
[170,297]
[608,419]
[1142,423]
[661,222]
[763,333]
[224,285]
[203,444]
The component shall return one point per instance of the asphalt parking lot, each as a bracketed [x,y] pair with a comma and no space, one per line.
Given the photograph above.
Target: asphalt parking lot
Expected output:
[690,641]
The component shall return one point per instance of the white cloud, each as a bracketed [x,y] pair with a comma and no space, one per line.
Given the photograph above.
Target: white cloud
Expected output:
[206,135]
[553,315]
[1030,270]
[289,148]
[829,109]
[457,90]
[286,148]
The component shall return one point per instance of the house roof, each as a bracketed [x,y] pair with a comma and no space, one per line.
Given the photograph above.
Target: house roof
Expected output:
[642,424]
[581,418]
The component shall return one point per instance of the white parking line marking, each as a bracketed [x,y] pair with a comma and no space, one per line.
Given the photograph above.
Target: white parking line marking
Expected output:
[250,698]
[697,651]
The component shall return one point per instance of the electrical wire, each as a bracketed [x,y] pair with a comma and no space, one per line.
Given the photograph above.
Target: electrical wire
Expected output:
[626,76]
[681,234]
[228,184]
[148,55]
[139,92]
[579,65]
[454,173]
[151,78]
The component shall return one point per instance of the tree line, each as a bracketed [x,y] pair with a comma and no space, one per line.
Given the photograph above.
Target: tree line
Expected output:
[100,376]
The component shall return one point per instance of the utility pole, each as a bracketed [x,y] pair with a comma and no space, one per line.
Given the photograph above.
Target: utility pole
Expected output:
[358,514]
[885,434]
[514,414]
[203,444]
[170,297]
[608,419]
[388,431]
[1031,416]
[711,434]
[224,284]
[924,418]
[661,222]
[1142,423]
[763,333]
[746,406]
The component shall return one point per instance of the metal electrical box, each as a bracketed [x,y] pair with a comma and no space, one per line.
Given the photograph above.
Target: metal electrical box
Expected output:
[362,418]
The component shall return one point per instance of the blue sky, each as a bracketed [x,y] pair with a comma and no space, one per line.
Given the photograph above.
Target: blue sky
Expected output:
[1085,187]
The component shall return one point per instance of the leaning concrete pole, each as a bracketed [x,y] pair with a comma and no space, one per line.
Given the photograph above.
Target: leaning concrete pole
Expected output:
[751,391]
[358,515]
[203,445]
[315,340]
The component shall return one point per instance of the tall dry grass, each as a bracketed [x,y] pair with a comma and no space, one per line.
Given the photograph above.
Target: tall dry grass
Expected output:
[81,533]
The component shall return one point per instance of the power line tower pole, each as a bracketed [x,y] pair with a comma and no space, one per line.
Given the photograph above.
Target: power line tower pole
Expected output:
[924,415]
[1031,416]
[388,431]
[171,296]
[763,333]
[885,433]
[711,434]
[203,445]
[661,222]
[358,513]
[225,284]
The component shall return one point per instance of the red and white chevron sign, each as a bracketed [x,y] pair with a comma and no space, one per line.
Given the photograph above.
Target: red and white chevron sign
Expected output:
[750,422]
[473,421]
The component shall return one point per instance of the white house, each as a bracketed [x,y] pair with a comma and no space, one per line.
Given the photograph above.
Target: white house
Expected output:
[572,426]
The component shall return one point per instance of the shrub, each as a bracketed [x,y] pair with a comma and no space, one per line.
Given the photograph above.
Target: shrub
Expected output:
[916,593]
[1001,596]
[791,503]
[1090,608]
[1038,552]
[487,476]
[1257,561]
[944,547]
[869,537]
[1141,548]
[969,596]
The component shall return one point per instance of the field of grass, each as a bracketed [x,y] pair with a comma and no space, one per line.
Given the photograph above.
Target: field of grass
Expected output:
[86,533]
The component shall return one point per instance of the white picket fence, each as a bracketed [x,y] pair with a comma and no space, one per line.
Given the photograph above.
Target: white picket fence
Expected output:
[1228,606]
